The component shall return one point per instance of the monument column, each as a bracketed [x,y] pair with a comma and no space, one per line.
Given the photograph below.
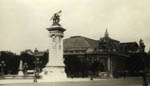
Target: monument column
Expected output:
[55,68]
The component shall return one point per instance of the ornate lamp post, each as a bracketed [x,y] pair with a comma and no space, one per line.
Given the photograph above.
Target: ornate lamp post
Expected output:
[25,66]
[145,71]
[2,65]
[37,62]
[142,51]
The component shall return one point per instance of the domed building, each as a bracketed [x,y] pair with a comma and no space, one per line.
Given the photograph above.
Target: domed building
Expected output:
[103,58]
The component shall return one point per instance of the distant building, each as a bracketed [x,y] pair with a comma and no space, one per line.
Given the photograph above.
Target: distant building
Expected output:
[30,58]
[36,52]
[108,52]
[103,57]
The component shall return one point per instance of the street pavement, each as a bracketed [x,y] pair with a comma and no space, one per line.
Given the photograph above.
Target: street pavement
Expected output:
[130,81]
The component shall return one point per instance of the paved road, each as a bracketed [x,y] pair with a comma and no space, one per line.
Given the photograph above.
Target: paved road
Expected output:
[109,82]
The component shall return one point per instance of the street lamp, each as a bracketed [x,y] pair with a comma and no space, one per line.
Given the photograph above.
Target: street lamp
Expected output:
[145,71]
[37,62]
[145,80]
[142,51]
[2,65]
[25,66]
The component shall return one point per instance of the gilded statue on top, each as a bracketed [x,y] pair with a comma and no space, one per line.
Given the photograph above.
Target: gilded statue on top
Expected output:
[56,18]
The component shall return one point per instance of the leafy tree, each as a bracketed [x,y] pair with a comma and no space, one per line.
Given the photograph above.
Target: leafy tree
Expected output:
[96,67]
[75,67]
[30,59]
[138,62]
[11,60]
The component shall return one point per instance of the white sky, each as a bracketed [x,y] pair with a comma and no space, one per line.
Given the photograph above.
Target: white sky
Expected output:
[23,23]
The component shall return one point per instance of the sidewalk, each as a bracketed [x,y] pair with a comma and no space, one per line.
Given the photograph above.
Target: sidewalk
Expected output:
[15,81]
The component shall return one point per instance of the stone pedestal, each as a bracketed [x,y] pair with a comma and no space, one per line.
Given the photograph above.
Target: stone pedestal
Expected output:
[20,73]
[54,69]
[54,73]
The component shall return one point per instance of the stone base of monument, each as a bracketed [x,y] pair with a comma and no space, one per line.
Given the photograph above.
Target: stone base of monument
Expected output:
[20,73]
[53,74]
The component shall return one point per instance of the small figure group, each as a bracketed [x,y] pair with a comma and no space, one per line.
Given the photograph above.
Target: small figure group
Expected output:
[56,18]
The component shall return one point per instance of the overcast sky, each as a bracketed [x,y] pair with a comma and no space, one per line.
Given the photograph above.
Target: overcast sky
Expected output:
[23,23]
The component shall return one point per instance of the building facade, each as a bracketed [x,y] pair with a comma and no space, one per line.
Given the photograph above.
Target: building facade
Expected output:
[102,58]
